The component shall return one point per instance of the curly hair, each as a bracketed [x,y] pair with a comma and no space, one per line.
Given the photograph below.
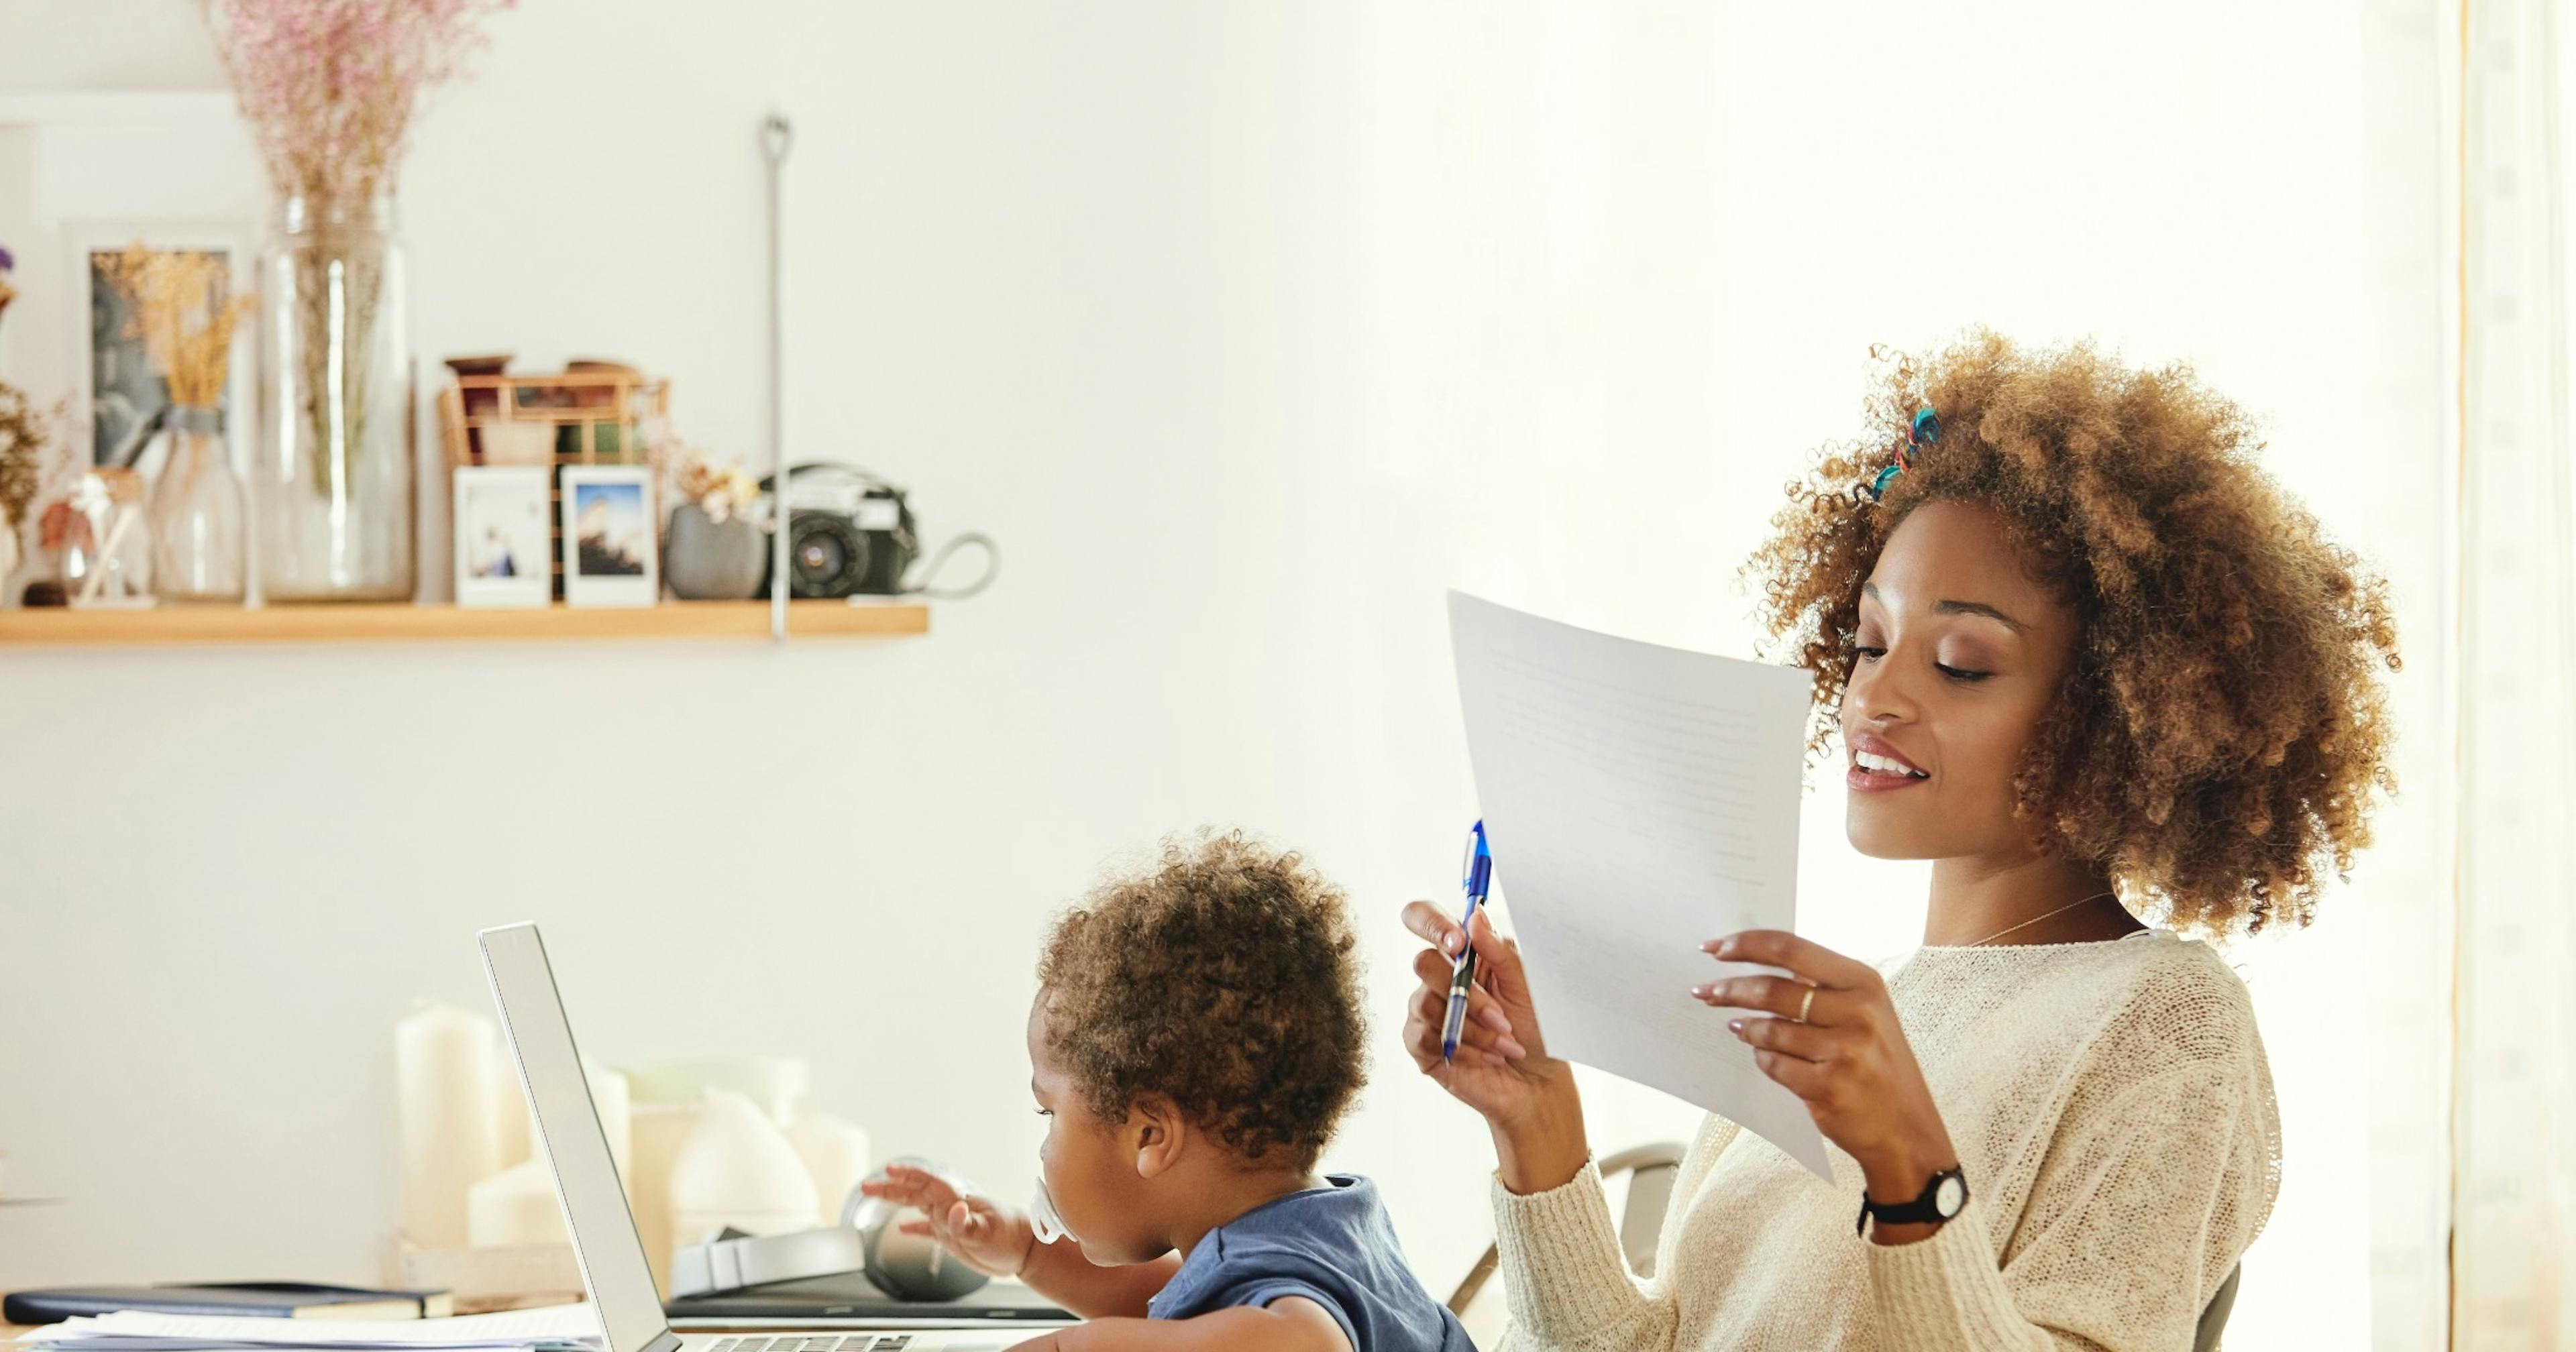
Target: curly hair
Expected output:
[1223,978]
[2222,734]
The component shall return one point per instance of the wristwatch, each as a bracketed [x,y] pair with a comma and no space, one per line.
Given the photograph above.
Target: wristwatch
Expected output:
[1945,1196]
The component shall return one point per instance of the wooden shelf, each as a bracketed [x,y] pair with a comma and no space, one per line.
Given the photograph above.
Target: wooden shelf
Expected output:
[413,624]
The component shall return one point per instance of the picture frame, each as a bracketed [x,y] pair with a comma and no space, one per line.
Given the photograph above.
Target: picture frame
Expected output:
[611,541]
[504,548]
[115,393]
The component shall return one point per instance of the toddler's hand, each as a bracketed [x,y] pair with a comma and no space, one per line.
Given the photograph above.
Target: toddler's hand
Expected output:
[992,1238]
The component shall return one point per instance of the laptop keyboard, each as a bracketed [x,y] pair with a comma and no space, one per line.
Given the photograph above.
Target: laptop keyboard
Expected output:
[836,1343]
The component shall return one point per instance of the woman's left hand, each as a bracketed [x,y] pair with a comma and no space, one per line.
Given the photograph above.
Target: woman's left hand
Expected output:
[1834,1041]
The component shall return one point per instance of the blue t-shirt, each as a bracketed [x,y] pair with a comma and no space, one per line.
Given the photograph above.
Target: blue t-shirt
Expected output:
[1332,1245]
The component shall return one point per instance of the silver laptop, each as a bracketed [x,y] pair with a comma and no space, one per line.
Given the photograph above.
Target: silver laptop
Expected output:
[604,1242]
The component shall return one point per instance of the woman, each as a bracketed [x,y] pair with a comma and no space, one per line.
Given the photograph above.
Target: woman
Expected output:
[2098,669]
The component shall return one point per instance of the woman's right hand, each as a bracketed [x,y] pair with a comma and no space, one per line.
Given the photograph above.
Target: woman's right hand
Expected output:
[993,1239]
[1502,1069]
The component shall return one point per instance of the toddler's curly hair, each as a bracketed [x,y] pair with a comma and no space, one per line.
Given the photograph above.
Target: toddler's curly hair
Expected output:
[1224,978]
[2220,739]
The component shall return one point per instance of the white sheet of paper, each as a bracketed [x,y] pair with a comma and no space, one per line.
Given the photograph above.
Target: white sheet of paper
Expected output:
[1640,801]
[506,1327]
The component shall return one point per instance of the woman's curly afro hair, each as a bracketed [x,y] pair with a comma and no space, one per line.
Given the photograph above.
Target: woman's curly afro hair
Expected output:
[1226,979]
[2221,737]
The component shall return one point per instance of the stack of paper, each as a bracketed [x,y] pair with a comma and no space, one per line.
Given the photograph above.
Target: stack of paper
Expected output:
[554,1326]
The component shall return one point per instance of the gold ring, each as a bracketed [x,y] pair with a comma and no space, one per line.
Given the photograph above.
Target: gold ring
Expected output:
[1805,1003]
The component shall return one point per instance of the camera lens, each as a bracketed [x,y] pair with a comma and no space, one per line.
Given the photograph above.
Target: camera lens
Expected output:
[820,556]
[826,555]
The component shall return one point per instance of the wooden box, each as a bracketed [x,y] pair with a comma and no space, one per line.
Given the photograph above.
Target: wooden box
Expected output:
[591,414]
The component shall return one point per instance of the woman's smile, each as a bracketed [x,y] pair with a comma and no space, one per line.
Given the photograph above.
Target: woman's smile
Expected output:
[1878,767]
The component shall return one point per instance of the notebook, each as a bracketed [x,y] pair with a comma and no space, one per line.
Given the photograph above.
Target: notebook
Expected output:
[273,1300]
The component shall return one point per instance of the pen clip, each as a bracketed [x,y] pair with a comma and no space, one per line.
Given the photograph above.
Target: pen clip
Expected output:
[1476,871]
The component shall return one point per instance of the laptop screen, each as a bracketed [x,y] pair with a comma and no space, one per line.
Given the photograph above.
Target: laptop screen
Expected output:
[603,1230]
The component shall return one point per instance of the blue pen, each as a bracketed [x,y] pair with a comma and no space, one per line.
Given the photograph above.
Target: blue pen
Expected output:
[1477,876]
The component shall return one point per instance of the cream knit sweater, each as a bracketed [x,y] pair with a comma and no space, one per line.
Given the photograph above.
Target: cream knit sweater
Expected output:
[2113,1115]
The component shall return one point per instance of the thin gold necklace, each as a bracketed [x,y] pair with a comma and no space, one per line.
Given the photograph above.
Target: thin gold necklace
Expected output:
[2035,920]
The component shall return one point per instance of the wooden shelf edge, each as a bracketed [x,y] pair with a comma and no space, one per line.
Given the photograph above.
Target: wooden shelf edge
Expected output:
[411,623]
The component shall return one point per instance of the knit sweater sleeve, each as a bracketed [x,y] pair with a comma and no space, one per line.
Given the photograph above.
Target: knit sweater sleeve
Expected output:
[2128,1230]
[1567,1278]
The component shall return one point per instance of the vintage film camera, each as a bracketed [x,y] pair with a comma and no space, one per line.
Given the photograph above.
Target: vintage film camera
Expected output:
[849,532]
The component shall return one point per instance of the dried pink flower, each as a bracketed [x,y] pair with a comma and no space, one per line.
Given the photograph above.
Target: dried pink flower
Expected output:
[329,86]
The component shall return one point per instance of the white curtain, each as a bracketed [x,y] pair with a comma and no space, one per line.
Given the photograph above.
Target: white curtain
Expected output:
[2514,1254]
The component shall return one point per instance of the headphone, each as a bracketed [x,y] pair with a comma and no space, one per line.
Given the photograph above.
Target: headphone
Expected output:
[906,1267]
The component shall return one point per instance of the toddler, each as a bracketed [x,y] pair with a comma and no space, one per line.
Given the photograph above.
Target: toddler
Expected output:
[1195,1038]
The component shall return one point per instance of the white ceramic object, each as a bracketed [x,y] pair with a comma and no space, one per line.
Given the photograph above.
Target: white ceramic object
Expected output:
[836,1157]
[665,1100]
[443,1096]
[515,1206]
[738,1169]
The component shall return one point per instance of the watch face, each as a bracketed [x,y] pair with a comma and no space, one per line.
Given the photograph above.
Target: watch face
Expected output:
[1952,1195]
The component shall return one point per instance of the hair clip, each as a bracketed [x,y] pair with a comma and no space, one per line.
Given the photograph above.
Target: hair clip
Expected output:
[1925,430]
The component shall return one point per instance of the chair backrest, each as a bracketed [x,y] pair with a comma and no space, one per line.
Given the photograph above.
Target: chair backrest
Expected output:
[1650,1170]
[2213,1317]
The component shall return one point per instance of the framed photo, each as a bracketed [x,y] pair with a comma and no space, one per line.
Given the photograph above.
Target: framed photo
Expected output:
[116,392]
[504,553]
[611,553]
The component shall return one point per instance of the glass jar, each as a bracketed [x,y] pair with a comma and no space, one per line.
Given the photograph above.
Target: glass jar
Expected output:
[196,515]
[336,436]
[98,544]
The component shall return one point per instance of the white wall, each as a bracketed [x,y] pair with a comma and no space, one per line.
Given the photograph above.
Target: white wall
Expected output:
[1247,330]
[59,46]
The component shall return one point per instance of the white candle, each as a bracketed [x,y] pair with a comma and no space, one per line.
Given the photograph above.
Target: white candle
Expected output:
[443,1097]
[655,1133]
[512,1133]
[515,1206]
[616,1116]
[836,1154]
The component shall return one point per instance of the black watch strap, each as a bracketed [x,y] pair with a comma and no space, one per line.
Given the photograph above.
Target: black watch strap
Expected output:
[1942,1198]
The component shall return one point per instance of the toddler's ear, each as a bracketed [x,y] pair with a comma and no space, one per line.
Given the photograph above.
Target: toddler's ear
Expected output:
[1159,1134]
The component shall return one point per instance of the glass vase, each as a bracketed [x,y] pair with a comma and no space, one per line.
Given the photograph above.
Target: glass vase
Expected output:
[196,515]
[98,542]
[335,467]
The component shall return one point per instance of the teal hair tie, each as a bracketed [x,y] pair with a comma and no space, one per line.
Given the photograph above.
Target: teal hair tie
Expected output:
[1922,432]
